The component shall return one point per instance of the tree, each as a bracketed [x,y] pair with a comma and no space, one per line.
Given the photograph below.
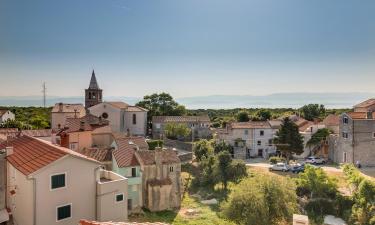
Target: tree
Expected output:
[288,139]
[261,200]
[263,114]
[313,111]
[363,211]
[242,116]
[202,149]
[315,183]
[176,130]
[319,136]
[161,104]
[16,124]
[221,146]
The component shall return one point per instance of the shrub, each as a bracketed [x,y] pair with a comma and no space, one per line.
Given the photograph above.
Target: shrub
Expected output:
[318,208]
[276,159]
[152,144]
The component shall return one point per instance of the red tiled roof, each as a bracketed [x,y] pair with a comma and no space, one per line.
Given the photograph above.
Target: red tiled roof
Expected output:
[331,120]
[68,108]
[86,123]
[367,103]
[250,125]
[180,119]
[359,115]
[127,146]
[100,154]
[136,109]
[167,156]
[31,154]
[120,105]
[86,222]
[37,133]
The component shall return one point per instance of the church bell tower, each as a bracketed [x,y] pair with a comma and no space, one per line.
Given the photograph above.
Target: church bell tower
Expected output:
[93,95]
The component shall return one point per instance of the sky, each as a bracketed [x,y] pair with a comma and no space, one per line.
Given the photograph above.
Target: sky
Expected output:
[187,47]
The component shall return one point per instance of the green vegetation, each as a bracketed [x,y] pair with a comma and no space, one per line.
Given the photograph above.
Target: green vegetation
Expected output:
[318,137]
[261,200]
[29,118]
[276,159]
[242,116]
[313,111]
[288,139]
[176,131]
[152,144]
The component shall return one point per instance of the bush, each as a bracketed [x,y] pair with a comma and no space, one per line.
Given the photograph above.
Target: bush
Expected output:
[276,159]
[152,144]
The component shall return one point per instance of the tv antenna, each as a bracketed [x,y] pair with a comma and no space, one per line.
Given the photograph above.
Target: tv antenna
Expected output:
[44,94]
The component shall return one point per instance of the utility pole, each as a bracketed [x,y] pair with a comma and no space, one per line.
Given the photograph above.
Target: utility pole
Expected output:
[44,94]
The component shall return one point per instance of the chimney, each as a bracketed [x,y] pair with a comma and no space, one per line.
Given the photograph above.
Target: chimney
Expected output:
[369,115]
[61,107]
[9,151]
[75,113]
[82,125]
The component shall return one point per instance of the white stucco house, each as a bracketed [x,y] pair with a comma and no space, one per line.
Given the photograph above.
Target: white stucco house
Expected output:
[48,184]
[5,115]
[122,117]
[249,139]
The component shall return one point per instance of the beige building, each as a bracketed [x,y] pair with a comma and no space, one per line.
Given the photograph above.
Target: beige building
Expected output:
[161,179]
[61,112]
[5,115]
[122,117]
[47,185]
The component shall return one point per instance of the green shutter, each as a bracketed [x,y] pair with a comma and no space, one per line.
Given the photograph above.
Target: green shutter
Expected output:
[64,212]
[119,198]
[58,181]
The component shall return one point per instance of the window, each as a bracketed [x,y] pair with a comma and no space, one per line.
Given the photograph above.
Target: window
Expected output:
[344,157]
[73,145]
[64,212]
[345,135]
[171,169]
[130,205]
[105,115]
[345,120]
[120,197]
[261,133]
[246,132]
[259,143]
[269,142]
[157,125]
[373,134]
[58,181]
[134,172]
[134,119]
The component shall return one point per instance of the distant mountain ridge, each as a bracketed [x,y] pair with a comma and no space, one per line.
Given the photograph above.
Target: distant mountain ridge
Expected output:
[277,100]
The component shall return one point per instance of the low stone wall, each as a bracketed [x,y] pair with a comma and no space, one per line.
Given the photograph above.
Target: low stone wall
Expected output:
[178,145]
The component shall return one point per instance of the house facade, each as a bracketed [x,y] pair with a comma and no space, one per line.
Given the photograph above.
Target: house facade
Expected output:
[47,184]
[61,112]
[199,125]
[122,117]
[249,139]
[161,179]
[125,163]
[5,115]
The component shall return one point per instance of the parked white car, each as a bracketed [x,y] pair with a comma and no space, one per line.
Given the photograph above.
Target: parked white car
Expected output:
[280,167]
[315,160]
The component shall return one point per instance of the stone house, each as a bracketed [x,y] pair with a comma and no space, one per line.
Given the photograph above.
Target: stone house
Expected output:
[249,139]
[365,106]
[122,117]
[356,140]
[332,123]
[61,112]
[125,163]
[48,184]
[199,125]
[161,179]
[5,115]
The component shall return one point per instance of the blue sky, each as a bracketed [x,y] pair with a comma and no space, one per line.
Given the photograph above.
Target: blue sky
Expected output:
[187,47]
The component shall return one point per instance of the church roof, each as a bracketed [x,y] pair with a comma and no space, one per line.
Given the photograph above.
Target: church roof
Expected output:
[93,82]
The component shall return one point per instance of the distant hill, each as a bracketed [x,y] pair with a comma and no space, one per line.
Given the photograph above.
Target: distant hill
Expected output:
[278,100]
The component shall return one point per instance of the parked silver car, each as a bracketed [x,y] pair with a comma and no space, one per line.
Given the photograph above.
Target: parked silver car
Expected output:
[315,160]
[279,167]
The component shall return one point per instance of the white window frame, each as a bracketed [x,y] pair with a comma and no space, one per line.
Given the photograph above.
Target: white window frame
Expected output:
[60,188]
[123,197]
[71,212]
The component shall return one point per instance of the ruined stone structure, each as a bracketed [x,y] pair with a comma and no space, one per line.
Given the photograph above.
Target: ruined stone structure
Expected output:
[161,179]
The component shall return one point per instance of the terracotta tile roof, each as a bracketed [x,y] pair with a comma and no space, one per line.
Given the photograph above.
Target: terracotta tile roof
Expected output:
[31,154]
[275,124]
[167,156]
[126,147]
[86,222]
[250,125]
[3,111]
[86,123]
[367,103]
[100,154]
[359,115]
[331,120]
[120,105]
[305,125]
[8,130]
[136,109]
[68,108]
[180,119]
[37,133]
